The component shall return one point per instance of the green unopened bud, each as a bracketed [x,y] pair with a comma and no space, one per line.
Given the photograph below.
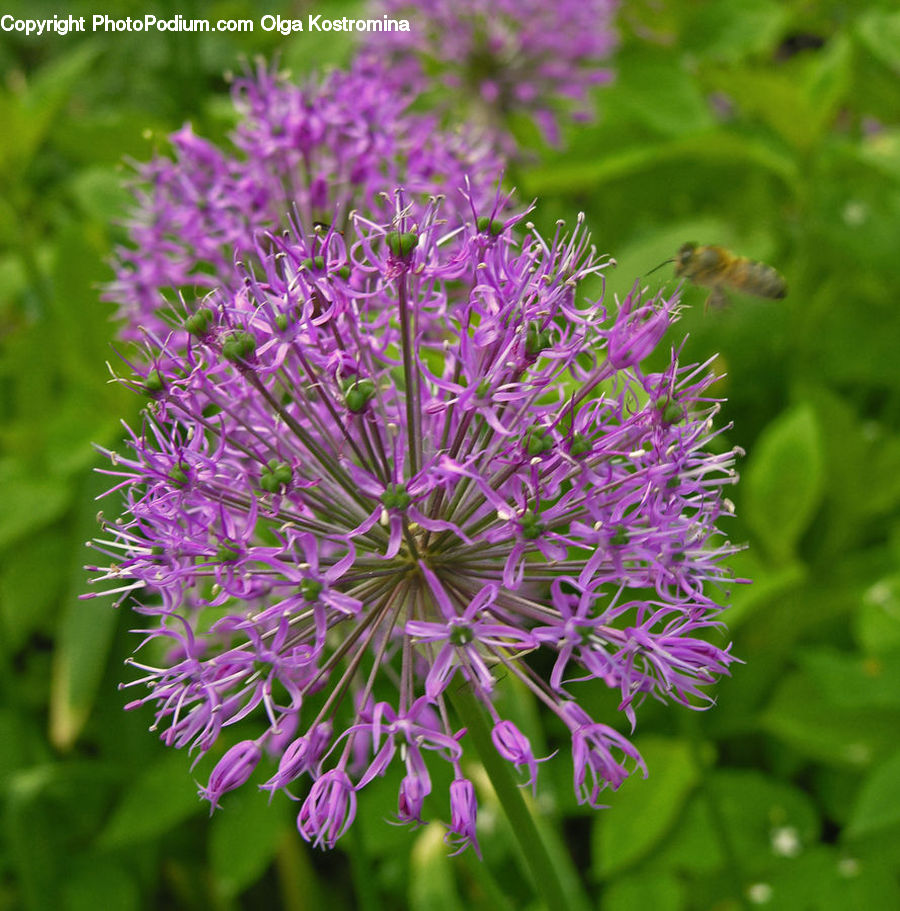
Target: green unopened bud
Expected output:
[537,339]
[276,476]
[228,552]
[283,473]
[198,323]
[153,382]
[281,321]
[531,527]
[671,412]
[178,474]
[538,441]
[460,635]
[401,245]
[580,445]
[488,225]
[269,482]
[358,394]
[310,589]
[395,497]
[317,262]
[344,272]
[239,346]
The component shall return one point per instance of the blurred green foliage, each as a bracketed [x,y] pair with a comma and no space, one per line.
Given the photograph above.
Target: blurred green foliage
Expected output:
[772,128]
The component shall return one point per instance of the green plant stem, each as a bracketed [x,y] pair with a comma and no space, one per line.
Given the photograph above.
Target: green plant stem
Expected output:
[364,884]
[299,889]
[537,859]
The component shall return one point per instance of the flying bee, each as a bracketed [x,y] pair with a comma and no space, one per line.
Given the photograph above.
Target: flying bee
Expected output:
[720,270]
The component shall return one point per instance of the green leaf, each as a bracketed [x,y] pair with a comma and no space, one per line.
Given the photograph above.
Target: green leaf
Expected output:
[877,623]
[879,33]
[767,585]
[432,886]
[158,799]
[85,632]
[31,115]
[656,89]
[761,817]
[101,884]
[30,581]
[878,804]
[30,500]
[881,152]
[244,837]
[855,497]
[14,742]
[784,481]
[715,147]
[101,195]
[815,727]
[825,879]
[642,811]
[35,844]
[638,892]
[829,80]
[731,30]
[853,680]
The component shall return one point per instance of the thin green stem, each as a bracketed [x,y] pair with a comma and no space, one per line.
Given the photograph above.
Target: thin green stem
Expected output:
[364,883]
[536,857]
[298,887]
[411,378]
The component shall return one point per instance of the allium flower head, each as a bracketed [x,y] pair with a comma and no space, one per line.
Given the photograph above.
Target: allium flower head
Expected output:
[418,466]
[311,152]
[510,56]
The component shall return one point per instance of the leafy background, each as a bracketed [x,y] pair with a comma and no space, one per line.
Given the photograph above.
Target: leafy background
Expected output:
[769,127]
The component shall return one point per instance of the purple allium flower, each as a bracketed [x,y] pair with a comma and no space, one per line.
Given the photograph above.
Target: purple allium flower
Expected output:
[416,467]
[504,55]
[312,153]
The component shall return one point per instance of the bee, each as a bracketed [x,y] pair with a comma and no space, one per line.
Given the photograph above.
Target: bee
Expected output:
[719,270]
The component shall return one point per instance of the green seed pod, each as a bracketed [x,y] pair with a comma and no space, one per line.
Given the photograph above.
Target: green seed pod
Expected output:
[283,473]
[310,589]
[538,441]
[358,395]
[460,635]
[395,497]
[488,225]
[198,323]
[531,527]
[537,339]
[580,445]
[672,413]
[401,245]
[228,552]
[269,482]
[178,474]
[239,346]
[153,382]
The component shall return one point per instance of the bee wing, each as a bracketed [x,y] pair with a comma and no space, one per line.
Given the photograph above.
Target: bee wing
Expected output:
[717,299]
